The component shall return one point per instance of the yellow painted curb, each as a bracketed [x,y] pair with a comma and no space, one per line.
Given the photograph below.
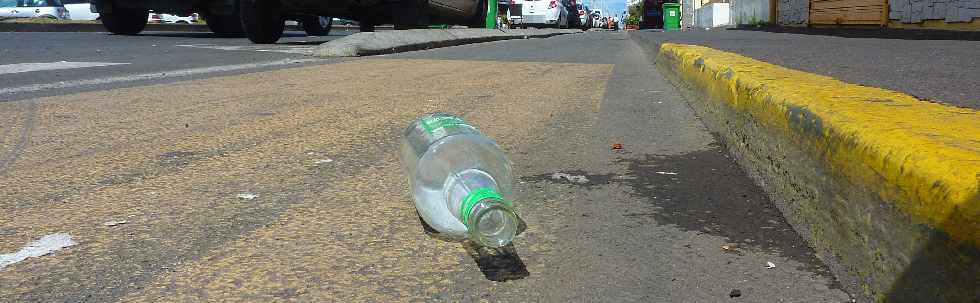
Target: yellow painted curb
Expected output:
[923,157]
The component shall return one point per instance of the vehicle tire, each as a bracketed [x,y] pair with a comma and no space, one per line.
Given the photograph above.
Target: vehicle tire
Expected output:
[224,24]
[317,25]
[480,18]
[262,20]
[366,26]
[125,21]
[410,14]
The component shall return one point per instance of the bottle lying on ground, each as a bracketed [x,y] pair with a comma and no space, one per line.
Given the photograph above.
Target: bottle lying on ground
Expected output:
[460,180]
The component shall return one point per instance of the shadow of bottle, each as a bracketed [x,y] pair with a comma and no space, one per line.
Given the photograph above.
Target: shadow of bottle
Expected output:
[497,264]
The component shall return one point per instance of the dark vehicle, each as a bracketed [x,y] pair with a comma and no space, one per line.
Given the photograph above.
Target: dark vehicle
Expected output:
[653,13]
[572,18]
[263,20]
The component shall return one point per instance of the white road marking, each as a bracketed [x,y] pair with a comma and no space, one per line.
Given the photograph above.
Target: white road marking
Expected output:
[289,49]
[44,246]
[33,67]
[149,76]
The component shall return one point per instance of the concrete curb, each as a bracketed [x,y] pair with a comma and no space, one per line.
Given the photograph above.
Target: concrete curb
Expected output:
[97,27]
[880,181]
[377,43]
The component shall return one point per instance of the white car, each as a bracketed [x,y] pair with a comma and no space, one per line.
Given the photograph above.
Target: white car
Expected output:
[33,9]
[538,13]
[168,18]
[585,18]
[80,10]
[597,19]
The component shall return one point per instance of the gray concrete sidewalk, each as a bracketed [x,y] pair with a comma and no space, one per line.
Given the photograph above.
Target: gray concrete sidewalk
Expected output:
[940,67]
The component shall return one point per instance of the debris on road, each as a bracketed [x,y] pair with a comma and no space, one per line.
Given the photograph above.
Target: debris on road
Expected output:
[571,178]
[735,293]
[770,265]
[114,223]
[322,161]
[732,250]
[486,218]
[617,146]
[46,245]
[247,196]
[666,173]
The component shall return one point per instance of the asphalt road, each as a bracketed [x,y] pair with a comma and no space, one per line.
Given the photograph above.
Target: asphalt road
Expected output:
[150,58]
[668,218]
[934,66]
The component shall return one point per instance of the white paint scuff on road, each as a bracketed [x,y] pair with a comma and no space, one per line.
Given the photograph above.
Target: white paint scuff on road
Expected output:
[34,67]
[322,161]
[114,223]
[247,196]
[289,49]
[150,76]
[666,173]
[44,246]
[571,178]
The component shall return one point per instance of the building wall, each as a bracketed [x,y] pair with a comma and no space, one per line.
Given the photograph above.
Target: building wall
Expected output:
[687,13]
[749,11]
[916,11]
[713,15]
[793,12]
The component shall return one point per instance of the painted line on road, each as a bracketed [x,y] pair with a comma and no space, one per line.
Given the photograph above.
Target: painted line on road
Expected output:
[46,245]
[150,76]
[289,49]
[34,67]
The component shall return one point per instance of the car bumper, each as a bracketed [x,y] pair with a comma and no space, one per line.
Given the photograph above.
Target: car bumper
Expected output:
[534,19]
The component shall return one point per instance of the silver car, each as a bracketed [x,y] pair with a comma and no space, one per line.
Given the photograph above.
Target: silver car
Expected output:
[33,9]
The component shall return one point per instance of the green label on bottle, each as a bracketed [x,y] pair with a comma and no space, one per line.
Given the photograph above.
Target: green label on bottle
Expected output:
[432,124]
[475,197]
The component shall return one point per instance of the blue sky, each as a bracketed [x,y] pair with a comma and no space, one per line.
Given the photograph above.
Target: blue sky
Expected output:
[607,6]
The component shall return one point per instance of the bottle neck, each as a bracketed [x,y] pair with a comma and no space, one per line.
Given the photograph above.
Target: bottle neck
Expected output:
[491,222]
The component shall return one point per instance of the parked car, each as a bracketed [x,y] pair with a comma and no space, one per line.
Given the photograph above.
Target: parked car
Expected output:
[584,17]
[262,20]
[339,21]
[597,18]
[80,10]
[571,10]
[319,26]
[539,13]
[33,9]
[168,18]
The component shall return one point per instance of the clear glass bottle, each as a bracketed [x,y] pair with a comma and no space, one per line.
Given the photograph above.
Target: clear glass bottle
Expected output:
[460,179]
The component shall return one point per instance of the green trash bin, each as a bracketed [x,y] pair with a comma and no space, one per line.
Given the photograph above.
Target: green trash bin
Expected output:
[672,16]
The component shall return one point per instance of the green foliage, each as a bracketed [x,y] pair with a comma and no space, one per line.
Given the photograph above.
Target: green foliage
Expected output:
[633,20]
[635,10]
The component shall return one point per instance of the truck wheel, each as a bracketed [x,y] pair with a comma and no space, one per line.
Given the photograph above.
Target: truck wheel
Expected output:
[125,21]
[317,25]
[224,25]
[262,20]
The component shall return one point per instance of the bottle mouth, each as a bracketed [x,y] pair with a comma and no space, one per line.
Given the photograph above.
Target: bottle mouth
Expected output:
[492,223]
